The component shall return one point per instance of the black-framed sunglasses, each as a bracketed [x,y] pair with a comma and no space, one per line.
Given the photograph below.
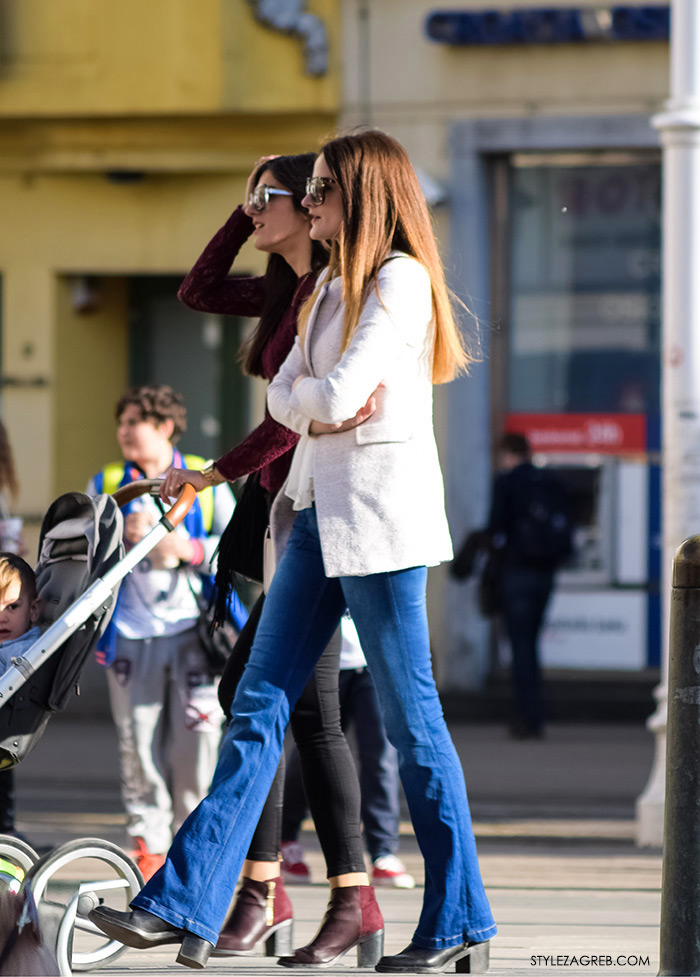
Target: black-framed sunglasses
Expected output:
[316,187]
[260,197]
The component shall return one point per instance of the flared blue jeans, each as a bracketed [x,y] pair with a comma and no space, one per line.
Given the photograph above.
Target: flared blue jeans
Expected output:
[302,610]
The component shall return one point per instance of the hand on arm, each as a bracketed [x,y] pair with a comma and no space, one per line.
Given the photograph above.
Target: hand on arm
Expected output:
[364,413]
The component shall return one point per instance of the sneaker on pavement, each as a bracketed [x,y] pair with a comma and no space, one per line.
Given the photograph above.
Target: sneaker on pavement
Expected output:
[294,869]
[388,870]
[148,863]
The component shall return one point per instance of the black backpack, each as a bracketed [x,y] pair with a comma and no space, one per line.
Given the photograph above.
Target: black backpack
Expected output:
[542,533]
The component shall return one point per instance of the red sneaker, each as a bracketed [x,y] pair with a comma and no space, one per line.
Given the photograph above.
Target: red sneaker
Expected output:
[147,862]
[388,870]
[295,871]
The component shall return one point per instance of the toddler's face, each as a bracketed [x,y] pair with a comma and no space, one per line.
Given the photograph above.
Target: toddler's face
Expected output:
[17,612]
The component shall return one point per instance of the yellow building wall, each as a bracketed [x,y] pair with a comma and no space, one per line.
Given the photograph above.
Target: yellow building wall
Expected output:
[65,226]
[186,95]
[115,57]
[90,374]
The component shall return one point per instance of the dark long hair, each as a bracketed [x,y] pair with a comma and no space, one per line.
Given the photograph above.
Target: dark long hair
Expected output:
[280,278]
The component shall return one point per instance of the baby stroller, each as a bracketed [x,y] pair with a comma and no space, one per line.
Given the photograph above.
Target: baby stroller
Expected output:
[81,565]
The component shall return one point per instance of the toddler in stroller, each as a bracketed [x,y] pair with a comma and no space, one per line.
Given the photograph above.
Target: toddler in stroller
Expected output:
[19,608]
[81,565]
[44,643]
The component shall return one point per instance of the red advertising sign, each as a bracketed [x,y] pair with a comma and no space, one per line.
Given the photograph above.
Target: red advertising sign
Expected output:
[599,433]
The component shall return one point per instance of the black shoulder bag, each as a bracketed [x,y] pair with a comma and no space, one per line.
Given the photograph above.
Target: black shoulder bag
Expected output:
[241,546]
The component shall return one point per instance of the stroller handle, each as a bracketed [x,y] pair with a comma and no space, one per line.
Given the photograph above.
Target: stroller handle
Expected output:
[151,486]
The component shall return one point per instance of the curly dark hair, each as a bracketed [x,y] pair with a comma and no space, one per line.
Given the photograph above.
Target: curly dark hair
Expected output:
[157,404]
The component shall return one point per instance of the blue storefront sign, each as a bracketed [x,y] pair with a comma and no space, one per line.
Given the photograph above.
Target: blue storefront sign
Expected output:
[549,25]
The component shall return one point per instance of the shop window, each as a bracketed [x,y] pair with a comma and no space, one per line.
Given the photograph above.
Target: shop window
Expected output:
[584,279]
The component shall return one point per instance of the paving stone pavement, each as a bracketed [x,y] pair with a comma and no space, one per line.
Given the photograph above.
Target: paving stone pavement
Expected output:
[570,891]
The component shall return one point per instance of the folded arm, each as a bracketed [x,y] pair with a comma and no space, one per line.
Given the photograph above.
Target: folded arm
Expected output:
[399,317]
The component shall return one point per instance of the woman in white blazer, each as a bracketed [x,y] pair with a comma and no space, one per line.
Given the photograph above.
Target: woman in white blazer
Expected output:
[357,385]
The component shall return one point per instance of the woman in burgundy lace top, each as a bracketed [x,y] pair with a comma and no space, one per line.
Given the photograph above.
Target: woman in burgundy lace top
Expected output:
[274,216]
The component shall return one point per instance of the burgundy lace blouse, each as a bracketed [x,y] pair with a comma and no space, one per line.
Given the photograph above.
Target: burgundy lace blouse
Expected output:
[209,288]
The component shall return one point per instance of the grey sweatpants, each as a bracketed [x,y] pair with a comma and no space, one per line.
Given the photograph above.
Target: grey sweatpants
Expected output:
[169,722]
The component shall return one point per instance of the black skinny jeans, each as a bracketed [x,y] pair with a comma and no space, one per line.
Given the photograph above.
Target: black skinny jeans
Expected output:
[328,768]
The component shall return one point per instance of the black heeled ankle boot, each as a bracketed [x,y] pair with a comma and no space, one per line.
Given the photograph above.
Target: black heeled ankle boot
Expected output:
[468,958]
[194,952]
[141,930]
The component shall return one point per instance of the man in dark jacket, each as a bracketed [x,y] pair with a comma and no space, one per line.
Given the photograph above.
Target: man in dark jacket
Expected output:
[529,529]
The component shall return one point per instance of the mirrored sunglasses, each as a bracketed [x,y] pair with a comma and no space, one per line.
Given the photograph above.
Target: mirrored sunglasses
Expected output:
[260,197]
[316,187]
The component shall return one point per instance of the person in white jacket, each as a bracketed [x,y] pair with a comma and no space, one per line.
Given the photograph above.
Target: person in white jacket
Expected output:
[375,336]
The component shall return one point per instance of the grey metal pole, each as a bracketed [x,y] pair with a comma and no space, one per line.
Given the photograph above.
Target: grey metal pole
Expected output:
[680,889]
[679,128]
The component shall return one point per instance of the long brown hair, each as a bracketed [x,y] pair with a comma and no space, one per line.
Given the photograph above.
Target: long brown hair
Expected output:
[280,279]
[384,209]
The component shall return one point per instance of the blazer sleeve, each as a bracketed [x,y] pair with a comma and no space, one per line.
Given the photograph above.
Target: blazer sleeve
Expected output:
[395,316]
[279,393]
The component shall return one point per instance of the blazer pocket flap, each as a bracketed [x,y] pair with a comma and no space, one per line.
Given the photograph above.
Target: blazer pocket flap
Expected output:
[374,432]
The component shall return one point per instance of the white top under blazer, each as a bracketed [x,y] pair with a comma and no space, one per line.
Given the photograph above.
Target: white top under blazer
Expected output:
[378,488]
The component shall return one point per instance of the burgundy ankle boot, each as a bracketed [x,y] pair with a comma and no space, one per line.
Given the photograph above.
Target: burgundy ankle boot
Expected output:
[261,913]
[352,919]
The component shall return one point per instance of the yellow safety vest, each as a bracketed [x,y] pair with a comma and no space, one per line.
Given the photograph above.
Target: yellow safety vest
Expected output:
[113,473]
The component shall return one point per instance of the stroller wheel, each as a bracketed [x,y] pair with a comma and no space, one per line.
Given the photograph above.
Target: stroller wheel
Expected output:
[16,858]
[69,882]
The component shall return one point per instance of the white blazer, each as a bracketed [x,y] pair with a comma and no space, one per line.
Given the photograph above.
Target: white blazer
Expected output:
[378,488]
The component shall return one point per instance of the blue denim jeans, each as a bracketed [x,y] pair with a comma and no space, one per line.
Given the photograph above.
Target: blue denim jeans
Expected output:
[303,608]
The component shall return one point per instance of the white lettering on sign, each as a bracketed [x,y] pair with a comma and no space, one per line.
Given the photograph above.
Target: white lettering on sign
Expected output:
[604,433]
[594,434]
[548,439]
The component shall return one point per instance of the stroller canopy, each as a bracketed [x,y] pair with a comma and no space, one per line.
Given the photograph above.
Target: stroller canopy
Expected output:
[81,539]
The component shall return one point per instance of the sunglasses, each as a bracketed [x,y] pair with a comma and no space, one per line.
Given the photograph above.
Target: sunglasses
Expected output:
[316,187]
[260,197]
